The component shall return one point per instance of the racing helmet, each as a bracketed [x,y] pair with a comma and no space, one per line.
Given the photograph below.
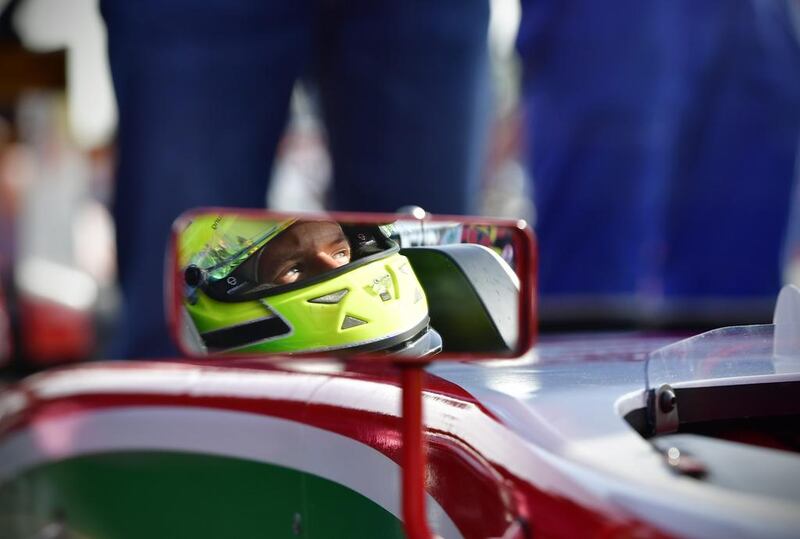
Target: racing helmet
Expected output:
[371,302]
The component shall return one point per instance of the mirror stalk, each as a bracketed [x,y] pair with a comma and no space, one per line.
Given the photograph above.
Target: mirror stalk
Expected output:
[413,459]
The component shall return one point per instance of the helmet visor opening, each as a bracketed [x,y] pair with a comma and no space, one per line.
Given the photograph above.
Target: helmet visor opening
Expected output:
[304,253]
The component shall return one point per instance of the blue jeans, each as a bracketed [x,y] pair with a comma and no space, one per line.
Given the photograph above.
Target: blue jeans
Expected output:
[203,89]
[663,147]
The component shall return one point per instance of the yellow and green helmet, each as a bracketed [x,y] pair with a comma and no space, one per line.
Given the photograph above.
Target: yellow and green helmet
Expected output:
[372,303]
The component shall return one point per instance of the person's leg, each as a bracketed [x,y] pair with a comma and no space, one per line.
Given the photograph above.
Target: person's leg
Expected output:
[404,89]
[589,77]
[732,121]
[203,89]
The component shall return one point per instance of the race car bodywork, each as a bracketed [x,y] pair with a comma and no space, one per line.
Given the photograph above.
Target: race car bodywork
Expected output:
[530,447]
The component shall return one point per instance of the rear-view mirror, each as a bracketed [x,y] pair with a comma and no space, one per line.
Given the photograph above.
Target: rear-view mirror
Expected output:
[248,282]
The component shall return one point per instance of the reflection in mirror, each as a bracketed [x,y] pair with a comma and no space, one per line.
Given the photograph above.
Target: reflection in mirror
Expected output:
[267,283]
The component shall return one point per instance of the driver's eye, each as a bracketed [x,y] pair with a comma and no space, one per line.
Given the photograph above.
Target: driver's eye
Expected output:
[341,254]
[290,275]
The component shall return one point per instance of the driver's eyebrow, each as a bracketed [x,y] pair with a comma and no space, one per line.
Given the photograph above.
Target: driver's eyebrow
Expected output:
[295,253]
[341,238]
[298,253]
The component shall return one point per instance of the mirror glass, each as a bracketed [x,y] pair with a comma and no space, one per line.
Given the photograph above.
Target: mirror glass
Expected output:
[247,282]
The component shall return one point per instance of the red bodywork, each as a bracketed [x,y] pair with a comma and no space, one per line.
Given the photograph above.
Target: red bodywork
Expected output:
[482,496]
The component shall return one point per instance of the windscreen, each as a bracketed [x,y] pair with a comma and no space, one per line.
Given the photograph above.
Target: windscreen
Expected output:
[726,353]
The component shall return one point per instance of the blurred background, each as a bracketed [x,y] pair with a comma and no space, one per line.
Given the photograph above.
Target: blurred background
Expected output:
[652,145]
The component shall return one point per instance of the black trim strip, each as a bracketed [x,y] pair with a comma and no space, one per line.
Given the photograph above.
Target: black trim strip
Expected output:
[244,334]
[385,344]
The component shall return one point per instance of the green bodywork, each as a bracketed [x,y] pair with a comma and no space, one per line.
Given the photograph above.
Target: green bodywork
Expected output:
[136,495]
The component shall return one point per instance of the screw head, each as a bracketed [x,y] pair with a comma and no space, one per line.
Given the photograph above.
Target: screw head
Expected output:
[666,400]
